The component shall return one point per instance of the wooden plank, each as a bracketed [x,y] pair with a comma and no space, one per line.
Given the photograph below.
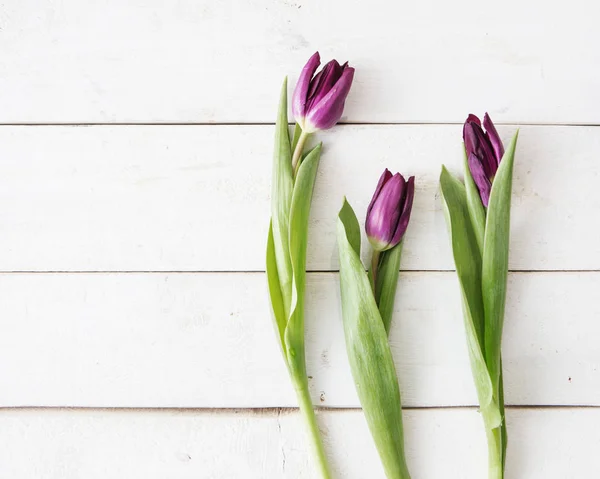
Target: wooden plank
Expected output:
[149,198]
[544,444]
[205,61]
[206,340]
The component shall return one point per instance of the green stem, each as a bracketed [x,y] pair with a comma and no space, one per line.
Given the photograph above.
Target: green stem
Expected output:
[495,437]
[310,419]
[494,440]
[298,152]
[374,266]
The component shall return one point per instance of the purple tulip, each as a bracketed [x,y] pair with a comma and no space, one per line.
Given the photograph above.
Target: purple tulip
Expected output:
[484,152]
[318,100]
[389,210]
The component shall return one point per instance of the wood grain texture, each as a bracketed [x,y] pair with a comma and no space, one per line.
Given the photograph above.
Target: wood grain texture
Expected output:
[207,340]
[45,444]
[206,61]
[185,198]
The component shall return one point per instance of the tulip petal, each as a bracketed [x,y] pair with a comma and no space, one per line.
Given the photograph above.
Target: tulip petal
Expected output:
[470,119]
[328,110]
[493,137]
[480,178]
[323,82]
[300,94]
[383,218]
[314,83]
[469,136]
[407,202]
[385,176]
[473,119]
[477,142]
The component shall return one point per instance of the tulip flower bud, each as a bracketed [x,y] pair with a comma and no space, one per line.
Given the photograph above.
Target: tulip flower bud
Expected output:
[484,152]
[318,101]
[389,211]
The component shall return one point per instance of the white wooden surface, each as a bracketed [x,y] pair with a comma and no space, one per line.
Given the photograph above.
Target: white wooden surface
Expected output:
[196,198]
[131,251]
[92,444]
[207,61]
[206,340]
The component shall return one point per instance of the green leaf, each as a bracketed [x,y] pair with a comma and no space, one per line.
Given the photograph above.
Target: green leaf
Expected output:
[495,261]
[348,217]
[281,197]
[387,283]
[476,208]
[296,137]
[468,270]
[277,305]
[464,247]
[503,433]
[369,353]
[298,240]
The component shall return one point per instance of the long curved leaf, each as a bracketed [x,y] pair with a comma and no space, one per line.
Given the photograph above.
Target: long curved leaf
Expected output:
[281,198]
[495,260]
[298,240]
[277,304]
[387,283]
[468,270]
[369,352]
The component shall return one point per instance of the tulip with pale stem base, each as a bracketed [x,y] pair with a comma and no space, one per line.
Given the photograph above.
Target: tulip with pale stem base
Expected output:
[318,100]
[317,104]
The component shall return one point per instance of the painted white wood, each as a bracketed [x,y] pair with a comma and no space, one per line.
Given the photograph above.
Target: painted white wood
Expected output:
[197,198]
[100,444]
[206,61]
[206,340]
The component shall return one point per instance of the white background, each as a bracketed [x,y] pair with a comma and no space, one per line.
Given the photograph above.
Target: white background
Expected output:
[135,157]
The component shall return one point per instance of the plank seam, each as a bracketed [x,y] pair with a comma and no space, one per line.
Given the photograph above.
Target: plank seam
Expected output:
[275,410]
[233,124]
[517,271]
